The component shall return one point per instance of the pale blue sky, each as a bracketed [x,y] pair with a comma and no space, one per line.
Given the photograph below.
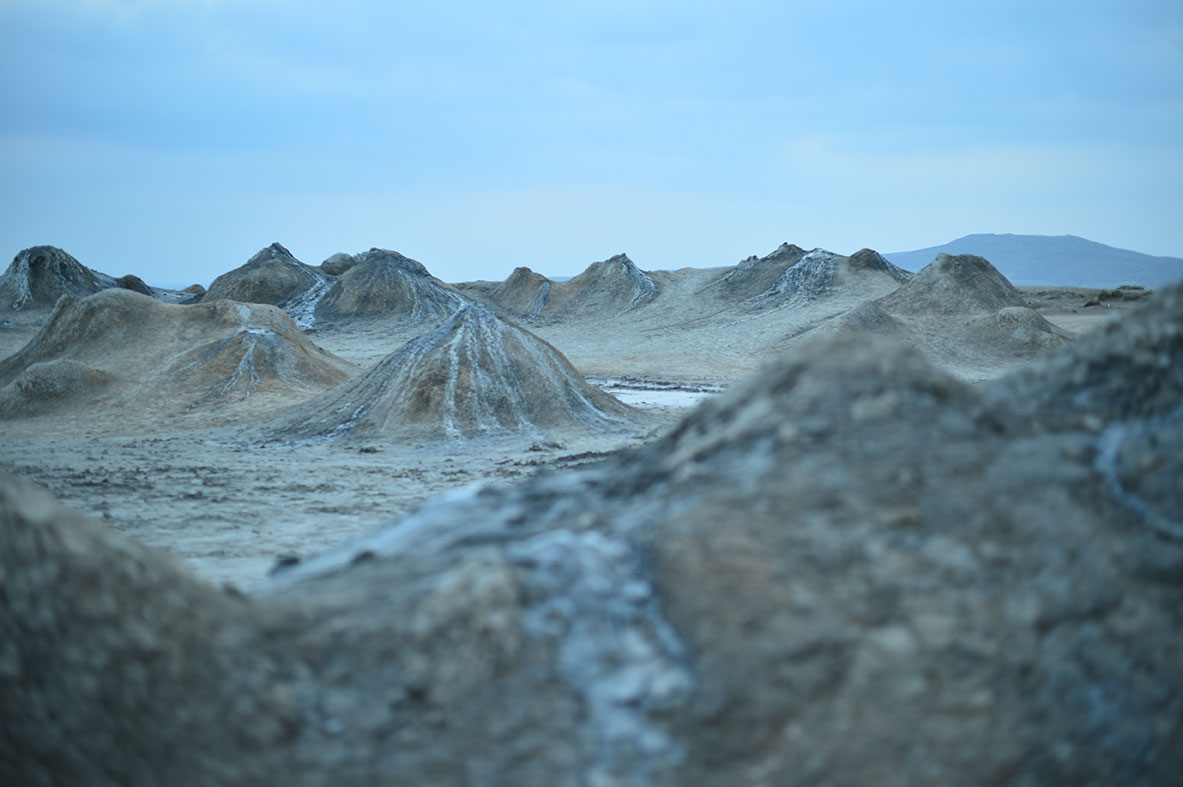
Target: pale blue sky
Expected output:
[174,138]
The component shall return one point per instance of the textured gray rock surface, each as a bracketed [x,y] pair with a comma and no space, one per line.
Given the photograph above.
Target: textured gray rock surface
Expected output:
[851,569]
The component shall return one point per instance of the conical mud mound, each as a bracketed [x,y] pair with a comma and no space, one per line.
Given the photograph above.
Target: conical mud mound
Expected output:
[385,284]
[791,276]
[849,566]
[475,374]
[811,277]
[608,288]
[151,359]
[276,277]
[757,275]
[964,284]
[962,312]
[822,273]
[1018,329]
[524,294]
[40,275]
[872,261]
[867,317]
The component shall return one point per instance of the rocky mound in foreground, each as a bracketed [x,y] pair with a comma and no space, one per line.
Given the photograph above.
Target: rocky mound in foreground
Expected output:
[385,284]
[606,289]
[148,358]
[274,276]
[475,374]
[38,276]
[850,570]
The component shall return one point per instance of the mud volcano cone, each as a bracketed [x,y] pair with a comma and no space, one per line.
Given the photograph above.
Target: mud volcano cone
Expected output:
[821,273]
[756,275]
[276,277]
[963,307]
[608,288]
[475,374]
[151,358]
[38,276]
[964,284]
[384,283]
[524,294]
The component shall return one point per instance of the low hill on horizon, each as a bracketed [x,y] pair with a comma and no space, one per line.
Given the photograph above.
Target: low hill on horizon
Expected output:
[1059,260]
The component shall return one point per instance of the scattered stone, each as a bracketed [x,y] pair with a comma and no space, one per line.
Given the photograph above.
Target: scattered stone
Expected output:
[338,263]
[284,562]
[135,284]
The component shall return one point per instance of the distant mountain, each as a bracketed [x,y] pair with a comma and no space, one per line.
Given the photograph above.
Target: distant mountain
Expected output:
[1064,260]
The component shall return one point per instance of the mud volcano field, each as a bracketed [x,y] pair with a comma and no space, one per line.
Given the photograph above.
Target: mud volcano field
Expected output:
[805,519]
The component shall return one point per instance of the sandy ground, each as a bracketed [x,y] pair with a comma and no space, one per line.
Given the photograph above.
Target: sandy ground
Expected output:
[231,507]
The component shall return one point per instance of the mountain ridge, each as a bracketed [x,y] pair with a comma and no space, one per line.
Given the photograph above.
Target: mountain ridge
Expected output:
[1057,260]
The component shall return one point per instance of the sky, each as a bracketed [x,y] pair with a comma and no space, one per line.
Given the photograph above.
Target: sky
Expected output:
[173,139]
